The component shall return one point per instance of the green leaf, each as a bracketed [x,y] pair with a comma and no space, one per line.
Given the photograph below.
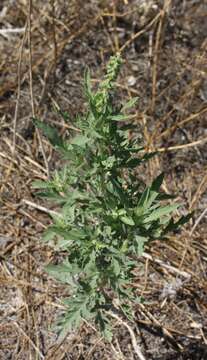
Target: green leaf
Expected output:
[49,234]
[50,132]
[87,84]
[62,272]
[130,103]
[51,195]
[79,306]
[144,198]
[155,215]
[127,220]
[121,117]
[132,163]
[157,182]
[103,323]
[127,310]
[80,140]
[67,235]
[140,243]
[119,192]
[149,156]
[172,226]
[116,267]
[151,193]
[40,184]
[108,334]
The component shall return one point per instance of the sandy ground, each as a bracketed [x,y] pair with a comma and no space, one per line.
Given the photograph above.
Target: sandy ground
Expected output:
[44,50]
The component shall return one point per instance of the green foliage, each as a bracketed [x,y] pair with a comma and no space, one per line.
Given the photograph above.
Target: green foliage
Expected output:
[104,219]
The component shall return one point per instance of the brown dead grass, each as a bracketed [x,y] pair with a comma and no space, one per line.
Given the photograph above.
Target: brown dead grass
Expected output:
[164,48]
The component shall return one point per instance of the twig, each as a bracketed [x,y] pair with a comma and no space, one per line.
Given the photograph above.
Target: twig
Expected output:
[182,122]
[54,39]
[31,87]
[198,191]
[183,146]
[169,267]
[150,323]
[30,341]
[157,323]
[18,87]
[139,33]
[39,207]
[29,216]
[132,335]
[30,58]
[165,10]
[4,32]
[114,24]
[118,353]
[17,30]
[198,220]
[155,61]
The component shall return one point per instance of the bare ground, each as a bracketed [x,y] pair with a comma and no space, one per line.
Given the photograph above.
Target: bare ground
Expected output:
[164,50]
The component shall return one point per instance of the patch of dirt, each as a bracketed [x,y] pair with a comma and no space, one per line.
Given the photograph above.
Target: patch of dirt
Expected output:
[164,48]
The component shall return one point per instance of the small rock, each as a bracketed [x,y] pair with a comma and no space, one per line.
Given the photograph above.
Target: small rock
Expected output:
[131,80]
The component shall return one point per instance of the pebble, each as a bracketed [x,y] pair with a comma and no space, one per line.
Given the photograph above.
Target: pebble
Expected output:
[131,80]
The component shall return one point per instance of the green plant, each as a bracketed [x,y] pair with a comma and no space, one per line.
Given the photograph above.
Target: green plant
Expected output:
[105,216]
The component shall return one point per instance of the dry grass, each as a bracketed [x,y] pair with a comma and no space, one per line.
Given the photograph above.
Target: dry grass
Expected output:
[42,59]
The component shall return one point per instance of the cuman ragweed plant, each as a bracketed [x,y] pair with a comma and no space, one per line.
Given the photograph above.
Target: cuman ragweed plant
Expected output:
[105,215]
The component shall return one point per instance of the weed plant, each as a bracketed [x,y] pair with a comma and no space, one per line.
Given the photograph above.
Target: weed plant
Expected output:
[105,215]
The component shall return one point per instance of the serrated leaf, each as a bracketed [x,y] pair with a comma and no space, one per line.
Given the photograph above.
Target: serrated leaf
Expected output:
[73,316]
[80,140]
[50,132]
[104,325]
[61,272]
[40,184]
[66,235]
[108,334]
[49,234]
[140,243]
[155,215]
